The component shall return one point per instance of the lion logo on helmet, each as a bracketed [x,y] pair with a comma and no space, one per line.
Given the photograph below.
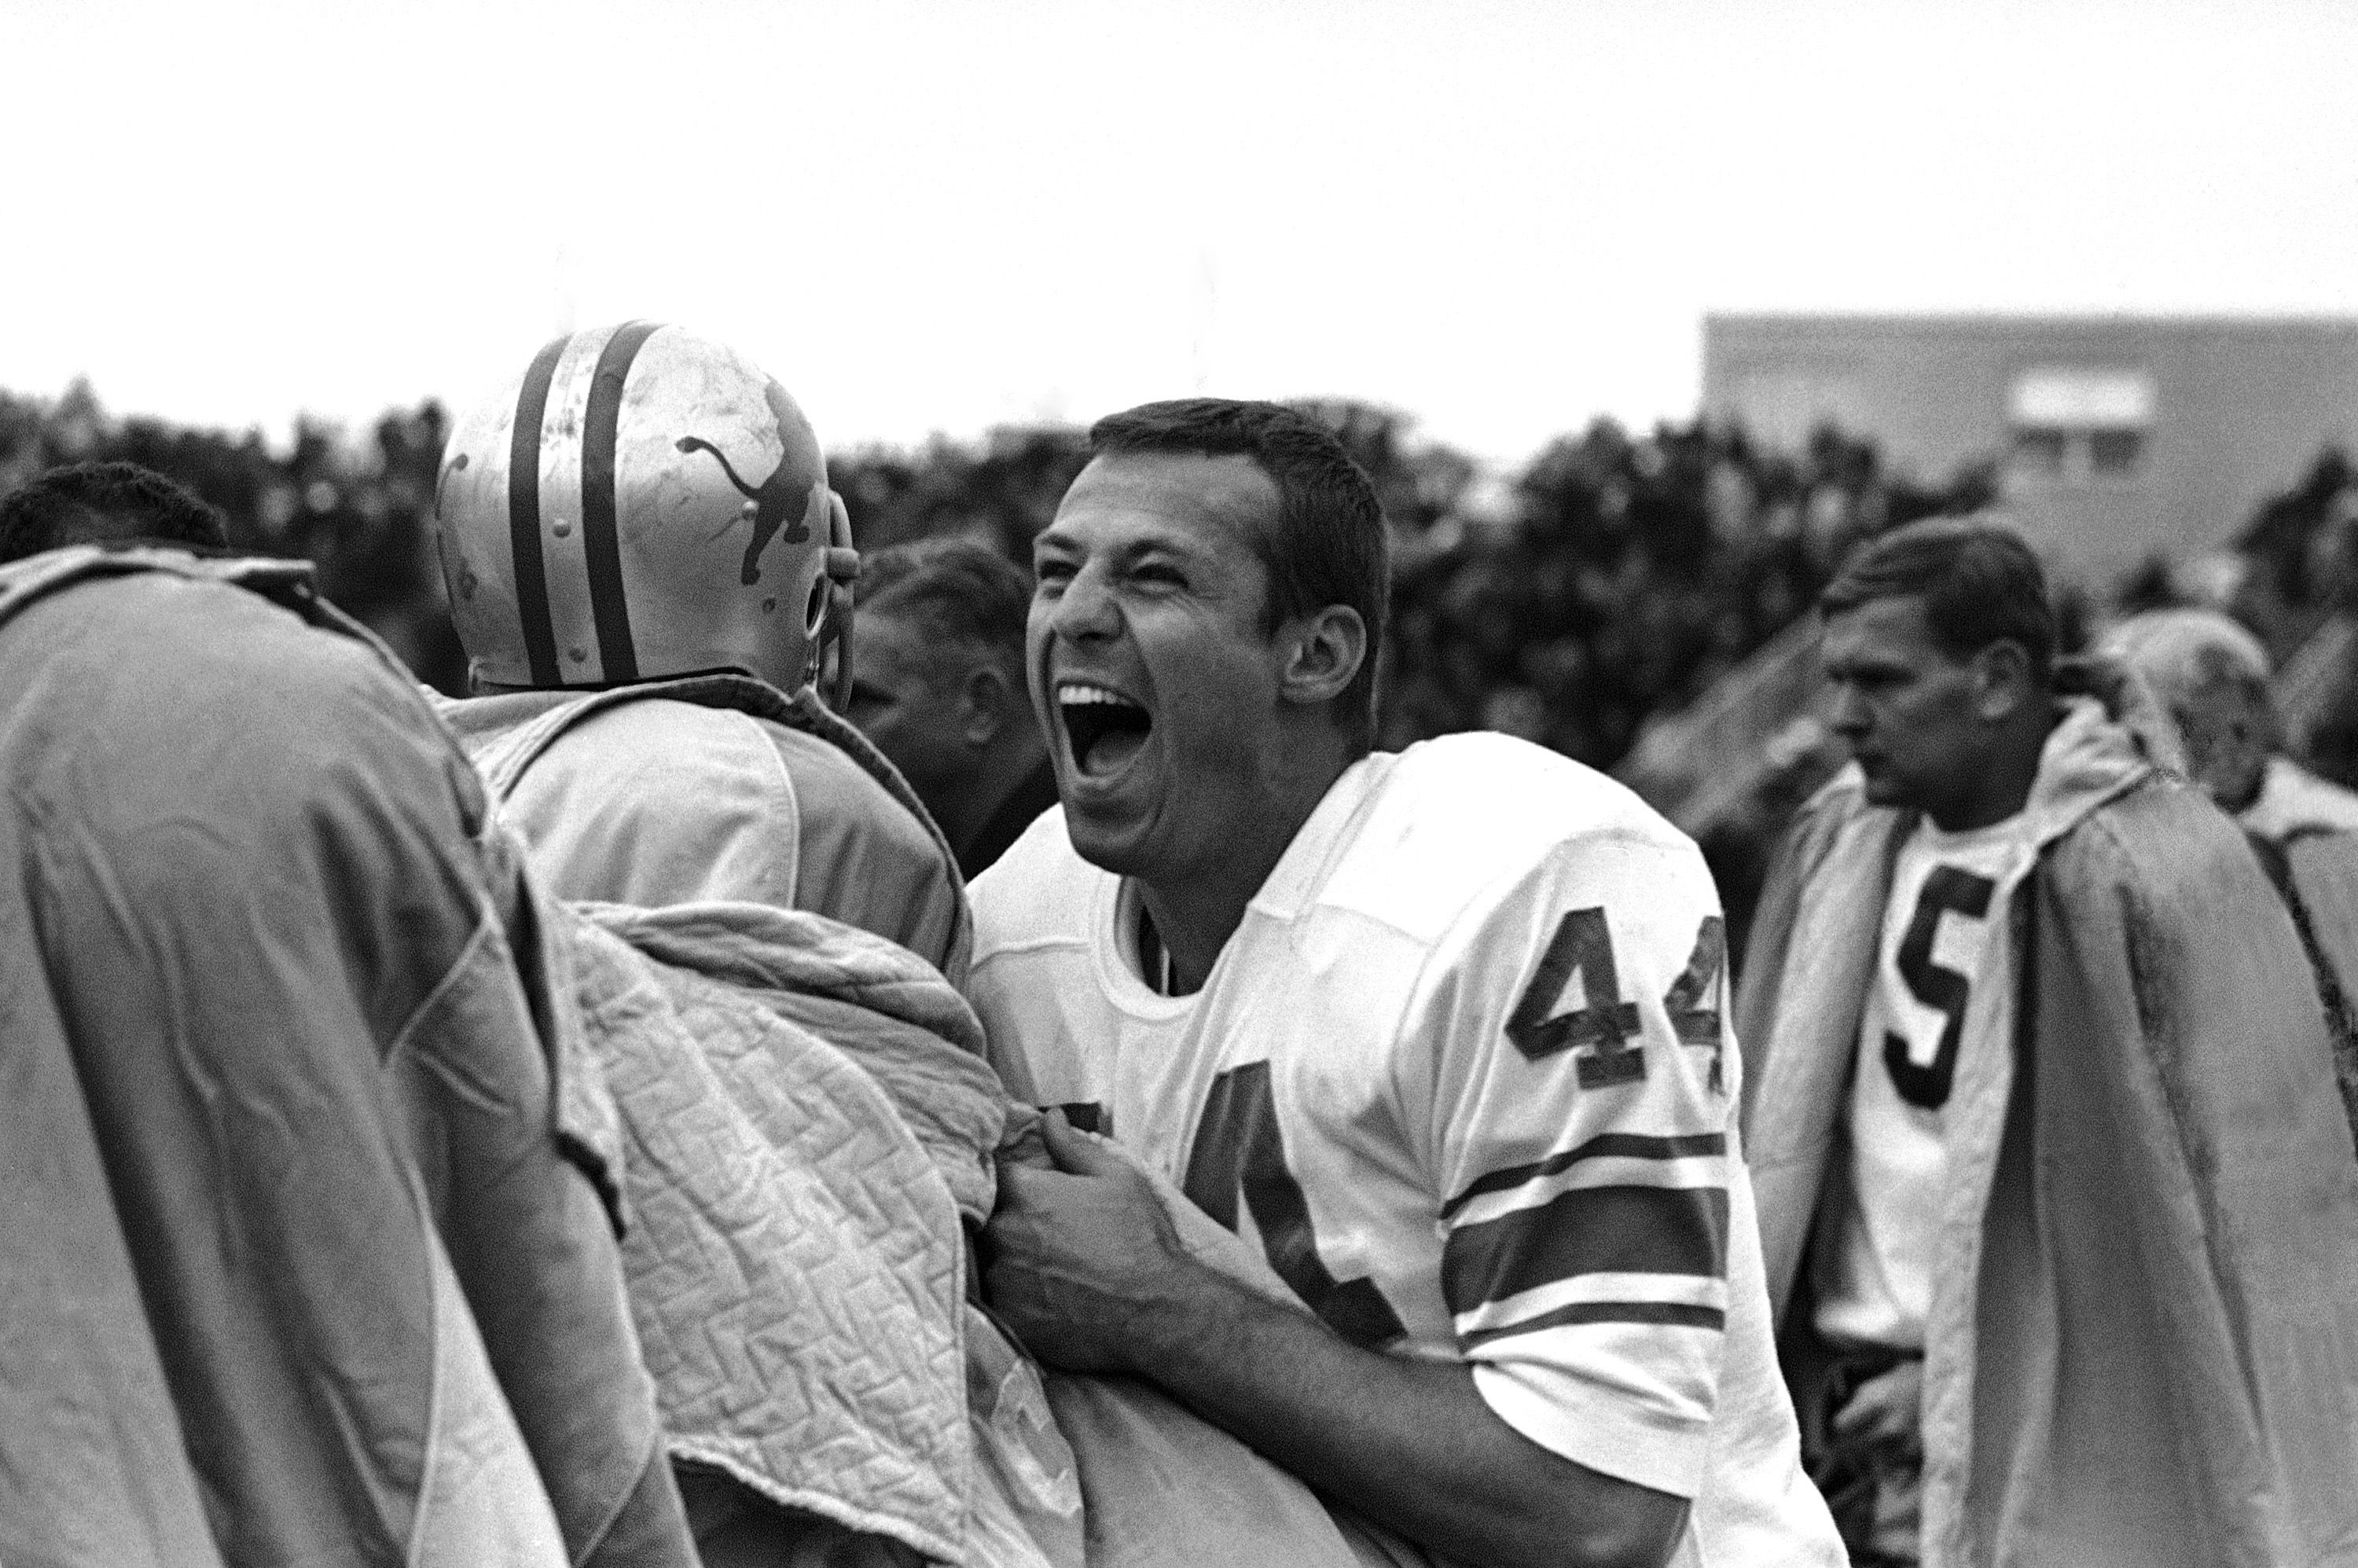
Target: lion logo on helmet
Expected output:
[775,499]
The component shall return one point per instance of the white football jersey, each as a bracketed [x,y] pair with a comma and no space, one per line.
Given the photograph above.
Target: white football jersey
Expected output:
[1465,1073]
[1944,993]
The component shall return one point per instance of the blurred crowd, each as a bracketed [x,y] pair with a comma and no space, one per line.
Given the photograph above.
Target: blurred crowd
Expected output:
[1610,581]
[1613,578]
[357,508]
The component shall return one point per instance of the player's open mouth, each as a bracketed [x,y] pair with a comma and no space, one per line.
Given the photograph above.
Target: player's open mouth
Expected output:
[1105,729]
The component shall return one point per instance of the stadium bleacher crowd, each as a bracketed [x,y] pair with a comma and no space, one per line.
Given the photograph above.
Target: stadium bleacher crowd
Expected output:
[1610,581]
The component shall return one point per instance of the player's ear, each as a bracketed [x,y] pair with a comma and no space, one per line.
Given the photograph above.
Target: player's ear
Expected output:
[1324,652]
[2002,681]
[987,702]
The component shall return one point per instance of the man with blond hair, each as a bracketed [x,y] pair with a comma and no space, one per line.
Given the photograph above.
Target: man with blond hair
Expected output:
[2211,675]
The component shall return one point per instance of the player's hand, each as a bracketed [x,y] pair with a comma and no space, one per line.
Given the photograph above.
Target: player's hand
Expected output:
[1885,1415]
[1082,1261]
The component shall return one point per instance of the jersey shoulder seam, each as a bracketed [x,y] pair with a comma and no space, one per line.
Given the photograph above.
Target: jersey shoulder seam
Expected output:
[1024,945]
[1555,850]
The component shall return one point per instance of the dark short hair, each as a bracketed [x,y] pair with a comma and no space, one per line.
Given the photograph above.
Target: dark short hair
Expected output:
[966,596]
[1328,545]
[1979,582]
[89,502]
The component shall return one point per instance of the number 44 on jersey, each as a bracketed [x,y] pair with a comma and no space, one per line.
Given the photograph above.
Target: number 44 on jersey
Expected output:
[1604,1028]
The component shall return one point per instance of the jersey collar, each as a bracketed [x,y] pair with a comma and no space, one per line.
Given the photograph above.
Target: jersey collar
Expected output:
[1294,883]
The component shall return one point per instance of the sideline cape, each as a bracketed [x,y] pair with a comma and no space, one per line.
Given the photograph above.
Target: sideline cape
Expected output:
[302,1256]
[2305,832]
[2143,1346]
[680,791]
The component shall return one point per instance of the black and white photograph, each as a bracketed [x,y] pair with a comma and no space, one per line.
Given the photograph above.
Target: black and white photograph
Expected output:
[1179,783]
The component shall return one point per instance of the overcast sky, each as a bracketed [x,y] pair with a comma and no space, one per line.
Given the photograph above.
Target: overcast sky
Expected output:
[1502,218]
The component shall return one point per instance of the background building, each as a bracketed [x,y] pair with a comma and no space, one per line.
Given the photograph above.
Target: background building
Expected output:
[2116,437]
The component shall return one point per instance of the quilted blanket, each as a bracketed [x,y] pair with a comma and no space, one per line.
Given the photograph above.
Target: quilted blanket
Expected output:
[887,1012]
[805,1118]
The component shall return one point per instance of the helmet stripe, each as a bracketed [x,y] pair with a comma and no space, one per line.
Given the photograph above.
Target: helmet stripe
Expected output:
[523,514]
[600,540]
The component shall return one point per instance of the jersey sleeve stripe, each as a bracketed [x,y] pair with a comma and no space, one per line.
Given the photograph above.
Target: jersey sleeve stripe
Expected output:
[1622,1145]
[1674,1315]
[1588,1230]
[1609,1171]
[1687,1289]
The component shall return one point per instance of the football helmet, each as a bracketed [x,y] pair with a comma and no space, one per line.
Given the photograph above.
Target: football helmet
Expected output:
[642,502]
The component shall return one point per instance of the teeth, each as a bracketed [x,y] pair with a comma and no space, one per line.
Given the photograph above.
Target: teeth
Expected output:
[1074,692]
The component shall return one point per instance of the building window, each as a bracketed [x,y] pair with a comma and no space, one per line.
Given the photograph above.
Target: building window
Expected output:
[2073,424]
[2038,450]
[2114,453]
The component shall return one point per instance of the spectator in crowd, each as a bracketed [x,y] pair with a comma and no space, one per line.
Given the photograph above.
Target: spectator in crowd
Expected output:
[939,686]
[653,731]
[305,1262]
[2211,675]
[1332,996]
[100,503]
[2059,1210]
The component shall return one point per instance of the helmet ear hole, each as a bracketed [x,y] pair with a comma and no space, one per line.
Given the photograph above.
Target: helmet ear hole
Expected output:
[814,612]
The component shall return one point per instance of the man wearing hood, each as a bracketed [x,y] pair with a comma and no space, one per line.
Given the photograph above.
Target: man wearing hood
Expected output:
[306,1260]
[2057,1204]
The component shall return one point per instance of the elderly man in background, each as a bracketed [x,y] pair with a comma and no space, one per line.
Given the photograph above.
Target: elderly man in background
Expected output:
[2060,1215]
[2212,676]
[939,686]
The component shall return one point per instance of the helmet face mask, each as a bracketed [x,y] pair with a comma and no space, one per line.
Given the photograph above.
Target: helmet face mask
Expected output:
[639,503]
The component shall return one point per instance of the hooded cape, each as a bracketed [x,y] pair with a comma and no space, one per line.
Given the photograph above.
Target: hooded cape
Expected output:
[303,1258]
[2142,1346]
[2305,831]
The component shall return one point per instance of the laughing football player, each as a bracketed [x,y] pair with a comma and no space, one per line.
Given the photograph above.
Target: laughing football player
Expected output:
[1441,1032]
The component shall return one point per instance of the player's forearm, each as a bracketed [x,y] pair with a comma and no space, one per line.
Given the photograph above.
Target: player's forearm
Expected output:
[1409,1443]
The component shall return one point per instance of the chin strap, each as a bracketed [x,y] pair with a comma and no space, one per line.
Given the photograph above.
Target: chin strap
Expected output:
[830,671]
